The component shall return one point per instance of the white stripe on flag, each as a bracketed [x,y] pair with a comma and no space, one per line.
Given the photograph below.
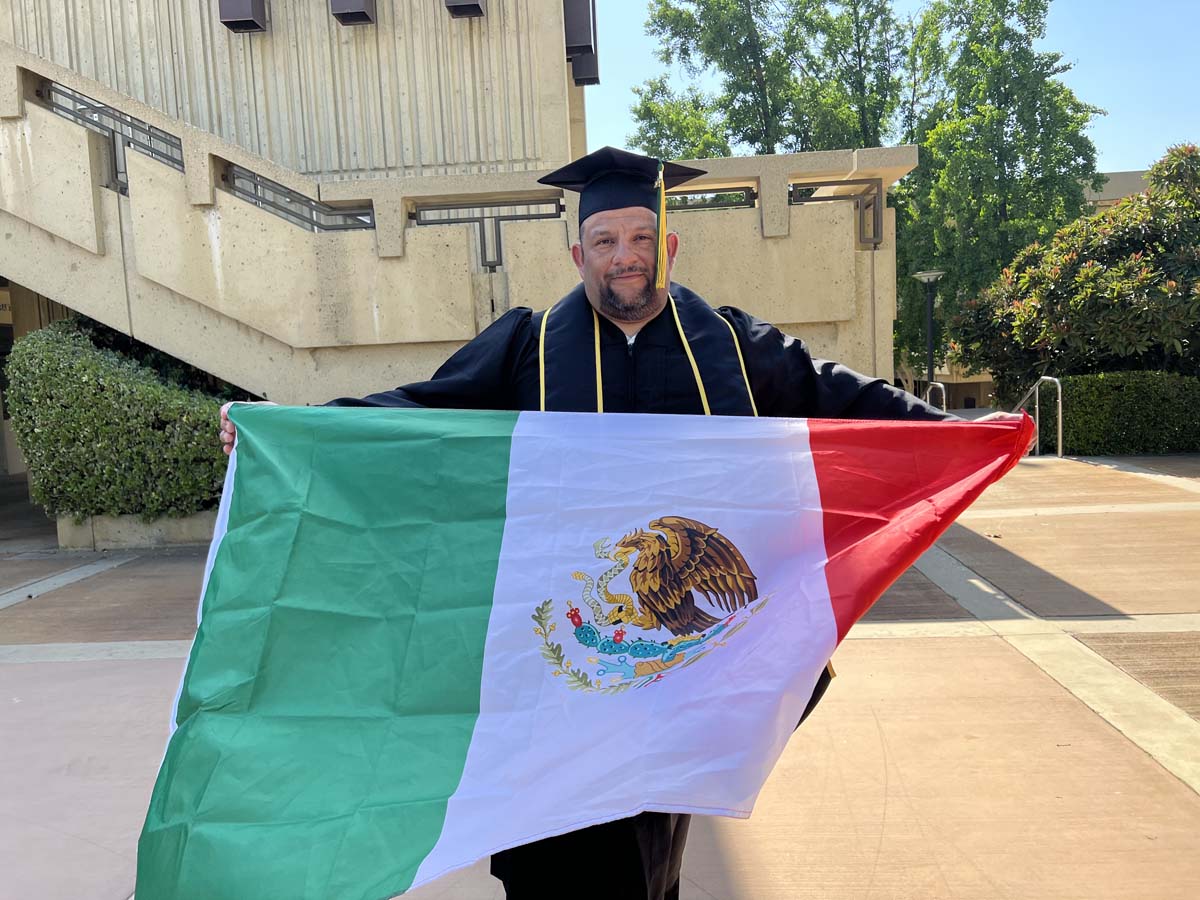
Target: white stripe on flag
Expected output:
[219,528]
[545,759]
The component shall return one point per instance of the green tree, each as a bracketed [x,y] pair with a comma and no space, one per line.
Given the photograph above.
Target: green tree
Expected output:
[796,75]
[739,39]
[856,49]
[1004,153]
[684,125]
[1114,291]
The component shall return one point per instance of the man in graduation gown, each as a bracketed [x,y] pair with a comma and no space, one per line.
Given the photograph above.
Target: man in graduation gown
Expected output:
[628,340]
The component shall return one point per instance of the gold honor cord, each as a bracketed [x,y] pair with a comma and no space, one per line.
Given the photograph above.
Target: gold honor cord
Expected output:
[687,348]
[742,363]
[542,360]
[599,377]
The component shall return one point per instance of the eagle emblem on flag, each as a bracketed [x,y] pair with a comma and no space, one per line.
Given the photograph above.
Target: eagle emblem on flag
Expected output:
[668,565]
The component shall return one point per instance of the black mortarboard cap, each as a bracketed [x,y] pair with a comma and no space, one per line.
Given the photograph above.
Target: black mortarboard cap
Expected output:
[614,179]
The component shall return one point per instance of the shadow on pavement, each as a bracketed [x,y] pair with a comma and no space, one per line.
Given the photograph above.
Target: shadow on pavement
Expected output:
[1038,590]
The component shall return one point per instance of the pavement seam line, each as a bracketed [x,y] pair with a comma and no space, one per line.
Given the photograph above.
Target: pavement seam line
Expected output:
[1035,512]
[1153,724]
[1157,726]
[1181,482]
[41,586]
[1136,623]
[1132,623]
[936,628]
[93,652]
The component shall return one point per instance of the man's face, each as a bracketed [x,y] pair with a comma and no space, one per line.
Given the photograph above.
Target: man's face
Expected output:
[616,257]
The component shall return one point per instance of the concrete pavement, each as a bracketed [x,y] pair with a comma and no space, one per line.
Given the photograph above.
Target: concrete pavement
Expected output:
[1016,718]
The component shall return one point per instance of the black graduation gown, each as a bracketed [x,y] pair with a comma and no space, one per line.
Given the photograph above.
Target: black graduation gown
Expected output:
[639,858]
[499,370]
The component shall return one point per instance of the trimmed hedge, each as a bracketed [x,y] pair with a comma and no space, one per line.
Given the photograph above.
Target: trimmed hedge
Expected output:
[1124,413]
[105,435]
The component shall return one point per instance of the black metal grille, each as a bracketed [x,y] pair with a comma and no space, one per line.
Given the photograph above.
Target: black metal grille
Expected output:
[123,130]
[487,218]
[295,207]
[735,198]
[868,203]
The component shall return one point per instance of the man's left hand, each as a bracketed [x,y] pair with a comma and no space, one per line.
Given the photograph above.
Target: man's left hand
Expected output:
[1000,417]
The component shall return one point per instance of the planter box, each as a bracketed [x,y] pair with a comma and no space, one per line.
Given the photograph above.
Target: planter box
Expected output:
[130,532]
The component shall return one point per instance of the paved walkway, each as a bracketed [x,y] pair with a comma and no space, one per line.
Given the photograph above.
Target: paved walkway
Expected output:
[1016,718]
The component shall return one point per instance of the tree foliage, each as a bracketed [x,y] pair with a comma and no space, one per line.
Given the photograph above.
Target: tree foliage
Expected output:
[1114,291]
[1004,157]
[796,75]
[1011,155]
[683,125]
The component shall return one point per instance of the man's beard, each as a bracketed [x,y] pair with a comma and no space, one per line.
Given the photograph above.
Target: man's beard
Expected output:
[631,309]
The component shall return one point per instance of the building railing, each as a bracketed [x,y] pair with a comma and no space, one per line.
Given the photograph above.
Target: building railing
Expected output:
[868,202]
[121,129]
[487,219]
[293,206]
[731,198]
[126,131]
[941,391]
[1035,392]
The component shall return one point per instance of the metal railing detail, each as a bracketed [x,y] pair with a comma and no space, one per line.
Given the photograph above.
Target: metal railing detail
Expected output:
[127,131]
[293,206]
[487,219]
[731,198]
[121,129]
[1035,392]
[868,203]
[929,393]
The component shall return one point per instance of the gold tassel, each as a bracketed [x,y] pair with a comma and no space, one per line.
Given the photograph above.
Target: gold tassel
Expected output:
[660,280]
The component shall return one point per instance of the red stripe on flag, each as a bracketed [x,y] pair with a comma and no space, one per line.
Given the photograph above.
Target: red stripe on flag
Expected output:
[889,489]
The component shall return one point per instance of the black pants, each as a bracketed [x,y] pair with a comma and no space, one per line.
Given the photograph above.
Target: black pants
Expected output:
[633,859]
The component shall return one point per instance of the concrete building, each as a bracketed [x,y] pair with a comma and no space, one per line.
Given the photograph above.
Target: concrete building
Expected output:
[1118,186]
[309,209]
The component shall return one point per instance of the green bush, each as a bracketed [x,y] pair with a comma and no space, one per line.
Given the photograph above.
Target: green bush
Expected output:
[105,435]
[1124,413]
[1118,291]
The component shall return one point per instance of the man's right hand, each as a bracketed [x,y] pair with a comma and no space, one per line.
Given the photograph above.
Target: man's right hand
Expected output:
[228,430]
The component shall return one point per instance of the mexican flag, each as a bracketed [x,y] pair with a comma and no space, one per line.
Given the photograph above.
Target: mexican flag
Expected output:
[429,635]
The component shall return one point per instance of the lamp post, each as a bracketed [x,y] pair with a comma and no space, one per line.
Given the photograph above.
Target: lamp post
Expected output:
[930,279]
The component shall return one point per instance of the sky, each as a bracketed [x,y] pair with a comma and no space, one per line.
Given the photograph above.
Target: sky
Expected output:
[1134,60]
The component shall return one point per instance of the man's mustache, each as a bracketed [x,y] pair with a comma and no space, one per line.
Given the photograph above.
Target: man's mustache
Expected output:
[633,270]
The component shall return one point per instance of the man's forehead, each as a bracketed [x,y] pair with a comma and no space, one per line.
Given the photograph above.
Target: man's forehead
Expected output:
[629,216]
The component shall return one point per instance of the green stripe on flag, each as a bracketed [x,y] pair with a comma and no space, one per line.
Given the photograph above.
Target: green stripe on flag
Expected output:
[333,687]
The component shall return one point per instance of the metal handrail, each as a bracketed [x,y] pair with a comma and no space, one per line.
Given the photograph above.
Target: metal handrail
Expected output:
[1035,392]
[686,201]
[122,130]
[296,207]
[870,199]
[487,219]
[929,393]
